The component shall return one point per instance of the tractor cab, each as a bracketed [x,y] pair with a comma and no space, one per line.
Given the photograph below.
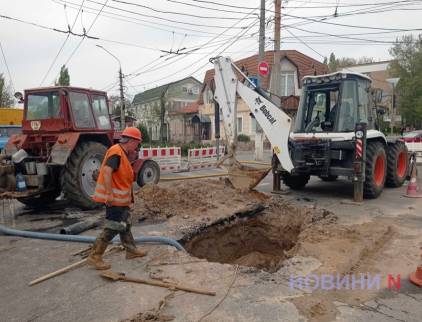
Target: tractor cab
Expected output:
[334,103]
[54,109]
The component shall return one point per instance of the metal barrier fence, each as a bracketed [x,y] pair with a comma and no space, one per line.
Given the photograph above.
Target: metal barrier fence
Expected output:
[415,147]
[203,157]
[169,159]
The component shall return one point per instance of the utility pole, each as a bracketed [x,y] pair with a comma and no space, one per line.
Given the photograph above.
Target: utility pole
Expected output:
[122,101]
[261,37]
[122,97]
[259,135]
[276,70]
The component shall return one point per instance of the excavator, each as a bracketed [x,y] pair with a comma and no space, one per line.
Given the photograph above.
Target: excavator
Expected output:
[336,132]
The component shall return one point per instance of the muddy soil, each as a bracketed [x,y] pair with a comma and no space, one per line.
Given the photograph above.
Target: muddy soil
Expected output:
[262,240]
[194,200]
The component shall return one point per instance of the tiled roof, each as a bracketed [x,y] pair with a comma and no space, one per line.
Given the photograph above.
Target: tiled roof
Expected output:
[188,109]
[157,92]
[306,65]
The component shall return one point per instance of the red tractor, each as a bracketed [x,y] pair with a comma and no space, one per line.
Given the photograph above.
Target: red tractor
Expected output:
[65,134]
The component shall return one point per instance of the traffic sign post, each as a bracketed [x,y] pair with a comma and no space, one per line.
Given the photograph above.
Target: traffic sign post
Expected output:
[263,68]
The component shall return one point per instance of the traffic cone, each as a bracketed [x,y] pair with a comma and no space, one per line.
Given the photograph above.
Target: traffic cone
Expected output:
[412,187]
[416,277]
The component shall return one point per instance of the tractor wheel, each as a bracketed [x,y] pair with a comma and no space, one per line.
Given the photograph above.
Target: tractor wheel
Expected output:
[79,174]
[40,201]
[329,178]
[295,181]
[376,170]
[397,164]
[149,173]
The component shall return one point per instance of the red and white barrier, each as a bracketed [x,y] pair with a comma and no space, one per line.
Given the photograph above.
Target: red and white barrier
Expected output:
[415,147]
[203,157]
[169,159]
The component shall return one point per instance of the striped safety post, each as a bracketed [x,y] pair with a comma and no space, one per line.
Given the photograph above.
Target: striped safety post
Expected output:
[359,162]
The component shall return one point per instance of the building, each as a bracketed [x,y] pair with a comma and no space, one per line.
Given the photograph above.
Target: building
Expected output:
[294,66]
[379,72]
[155,107]
[187,125]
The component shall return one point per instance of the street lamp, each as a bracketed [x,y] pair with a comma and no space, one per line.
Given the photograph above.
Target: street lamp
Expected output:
[393,82]
[122,98]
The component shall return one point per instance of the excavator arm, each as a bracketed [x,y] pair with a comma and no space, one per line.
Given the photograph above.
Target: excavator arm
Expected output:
[274,122]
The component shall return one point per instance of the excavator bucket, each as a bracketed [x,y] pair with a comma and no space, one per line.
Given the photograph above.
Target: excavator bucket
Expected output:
[241,176]
[246,178]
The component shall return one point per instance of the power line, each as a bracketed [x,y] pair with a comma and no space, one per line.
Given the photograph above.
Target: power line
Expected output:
[64,43]
[85,33]
[303,42]
[119,17]
[176,13]
[165,19]
[7,67]
[344,25]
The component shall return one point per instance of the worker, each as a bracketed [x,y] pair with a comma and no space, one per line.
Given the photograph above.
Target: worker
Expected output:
[114,190]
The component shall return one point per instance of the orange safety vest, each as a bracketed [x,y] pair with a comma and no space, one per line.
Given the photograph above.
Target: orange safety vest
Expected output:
[121,180]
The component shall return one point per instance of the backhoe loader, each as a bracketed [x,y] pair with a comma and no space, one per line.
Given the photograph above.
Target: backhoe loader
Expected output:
[324,141]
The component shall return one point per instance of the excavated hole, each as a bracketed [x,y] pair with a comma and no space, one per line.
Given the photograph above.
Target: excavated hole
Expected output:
[261,241]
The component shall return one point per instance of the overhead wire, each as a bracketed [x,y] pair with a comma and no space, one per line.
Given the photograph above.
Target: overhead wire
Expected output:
[64,43]
[176,13]
[7,67]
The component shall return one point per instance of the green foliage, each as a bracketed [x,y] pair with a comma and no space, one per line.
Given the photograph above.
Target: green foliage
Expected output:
[407,52]
[64,78]
[145,135]
[6,95]
[243,138]
[192,145]
[335,64]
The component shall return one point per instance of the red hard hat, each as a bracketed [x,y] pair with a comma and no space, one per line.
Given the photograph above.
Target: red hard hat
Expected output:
[133,133]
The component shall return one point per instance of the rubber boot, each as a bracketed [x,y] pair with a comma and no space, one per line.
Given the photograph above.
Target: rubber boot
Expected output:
[95,257]
[135,252]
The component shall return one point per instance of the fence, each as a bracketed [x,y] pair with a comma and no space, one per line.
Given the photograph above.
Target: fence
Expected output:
[203,157]
[169,159]
[415,147]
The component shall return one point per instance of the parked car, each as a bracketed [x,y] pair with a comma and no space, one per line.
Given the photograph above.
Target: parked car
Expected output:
[6,131]
[413,137]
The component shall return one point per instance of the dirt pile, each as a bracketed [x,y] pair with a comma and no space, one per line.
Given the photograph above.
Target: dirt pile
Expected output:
[194,199]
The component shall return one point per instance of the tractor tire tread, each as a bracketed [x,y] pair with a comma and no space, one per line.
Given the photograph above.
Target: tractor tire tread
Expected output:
[370,190]
[71,183]
[393,181]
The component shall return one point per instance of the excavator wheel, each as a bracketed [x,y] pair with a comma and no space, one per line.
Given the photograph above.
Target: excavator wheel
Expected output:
[376,170]
[397,164]
[79,178]
[295,181]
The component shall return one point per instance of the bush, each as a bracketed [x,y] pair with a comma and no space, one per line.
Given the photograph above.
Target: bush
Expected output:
[192,145]
[243,138]
[145,134]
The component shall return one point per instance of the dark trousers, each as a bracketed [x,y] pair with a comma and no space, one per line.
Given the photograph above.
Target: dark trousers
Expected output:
[118,222]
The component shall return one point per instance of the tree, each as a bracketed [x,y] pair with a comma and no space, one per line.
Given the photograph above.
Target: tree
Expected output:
[6,95]
[144,131]
[407,65]
[335,64]
[64,78]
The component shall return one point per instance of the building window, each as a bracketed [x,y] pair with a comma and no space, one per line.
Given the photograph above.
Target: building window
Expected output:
[287,83]
[239,124]
[253,125]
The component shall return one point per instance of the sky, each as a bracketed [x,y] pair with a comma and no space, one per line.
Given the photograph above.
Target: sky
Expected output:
[159,41]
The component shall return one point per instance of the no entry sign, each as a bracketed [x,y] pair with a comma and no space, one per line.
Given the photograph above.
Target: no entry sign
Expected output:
[263,68]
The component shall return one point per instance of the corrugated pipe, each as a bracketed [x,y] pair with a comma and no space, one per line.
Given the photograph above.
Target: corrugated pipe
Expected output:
[85,239]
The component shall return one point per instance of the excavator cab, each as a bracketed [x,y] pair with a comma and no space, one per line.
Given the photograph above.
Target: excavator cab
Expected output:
[334,103]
